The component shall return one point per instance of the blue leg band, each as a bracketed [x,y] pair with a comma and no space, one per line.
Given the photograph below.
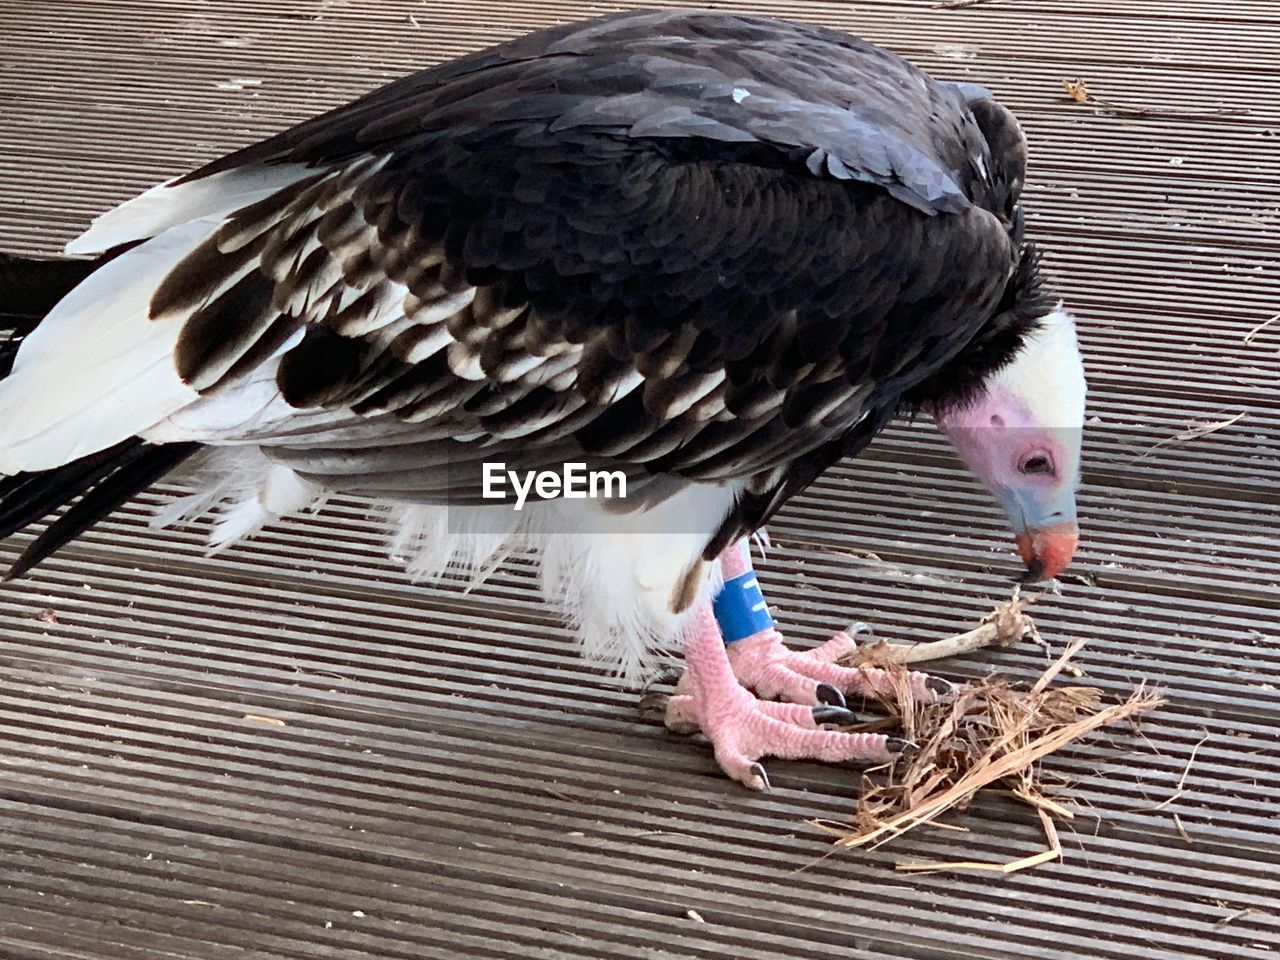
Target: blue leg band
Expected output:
[740,608]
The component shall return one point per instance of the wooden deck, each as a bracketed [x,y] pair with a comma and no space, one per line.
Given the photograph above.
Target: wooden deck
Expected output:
[288,752]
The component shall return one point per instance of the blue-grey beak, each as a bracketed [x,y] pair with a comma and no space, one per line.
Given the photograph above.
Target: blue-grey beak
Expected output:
[1044,520]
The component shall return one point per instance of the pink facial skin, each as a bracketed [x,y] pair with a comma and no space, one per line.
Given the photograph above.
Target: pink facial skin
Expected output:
[1030,467]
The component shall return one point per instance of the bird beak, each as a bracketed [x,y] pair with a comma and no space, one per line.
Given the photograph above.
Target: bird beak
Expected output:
[1044,520]
[1047,551]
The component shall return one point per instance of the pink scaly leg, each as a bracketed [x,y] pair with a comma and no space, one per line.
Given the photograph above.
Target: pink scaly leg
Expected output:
[743,729]
[763,663]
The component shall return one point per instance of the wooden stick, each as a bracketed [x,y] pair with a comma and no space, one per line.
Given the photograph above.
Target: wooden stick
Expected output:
[977,639]
[1005,626]
[1044,856]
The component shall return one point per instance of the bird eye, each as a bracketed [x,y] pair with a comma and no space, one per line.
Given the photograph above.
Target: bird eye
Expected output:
[1036,463]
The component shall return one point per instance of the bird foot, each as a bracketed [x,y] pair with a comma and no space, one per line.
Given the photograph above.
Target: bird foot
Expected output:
[755,698]
[764,664]
[743,729]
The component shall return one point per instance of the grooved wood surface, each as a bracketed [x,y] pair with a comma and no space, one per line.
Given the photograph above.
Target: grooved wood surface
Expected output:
[450,781]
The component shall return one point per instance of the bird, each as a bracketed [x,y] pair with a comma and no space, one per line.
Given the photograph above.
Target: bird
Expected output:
[708,255]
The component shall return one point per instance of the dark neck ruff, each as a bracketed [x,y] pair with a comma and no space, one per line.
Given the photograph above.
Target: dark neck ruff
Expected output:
[1021,312]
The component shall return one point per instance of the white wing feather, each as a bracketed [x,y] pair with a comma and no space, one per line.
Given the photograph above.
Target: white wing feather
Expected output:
[170,204]
[98,369]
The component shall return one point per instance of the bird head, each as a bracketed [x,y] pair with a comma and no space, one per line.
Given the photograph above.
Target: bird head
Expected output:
[1021,433]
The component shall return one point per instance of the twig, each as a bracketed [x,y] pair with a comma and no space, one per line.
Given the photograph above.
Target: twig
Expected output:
[1079,91]
[1181,788]
[977,639]
[1042,804]
[1248,337]
[1232,917]
[1182,831]
[959,4]
[1193,433]
[1055,668]
[1186,771]
[1051,833]
[1044,856]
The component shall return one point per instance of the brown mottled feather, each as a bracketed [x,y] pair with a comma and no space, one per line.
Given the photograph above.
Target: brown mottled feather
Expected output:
[724,257]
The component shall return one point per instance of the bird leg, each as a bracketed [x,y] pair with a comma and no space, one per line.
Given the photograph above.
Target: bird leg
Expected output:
[764,664]
[713,694]
[742,728]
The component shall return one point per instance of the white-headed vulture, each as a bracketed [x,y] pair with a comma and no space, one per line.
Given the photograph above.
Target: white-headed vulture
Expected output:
[699,257]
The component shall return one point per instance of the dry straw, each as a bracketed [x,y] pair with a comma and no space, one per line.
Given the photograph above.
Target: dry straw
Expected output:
[991,736]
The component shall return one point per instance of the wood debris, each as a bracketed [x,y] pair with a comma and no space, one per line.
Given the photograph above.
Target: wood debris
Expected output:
[1004,626]
[1079,91]
[1249,337]
[1193,432]
[991,736]
[264,721]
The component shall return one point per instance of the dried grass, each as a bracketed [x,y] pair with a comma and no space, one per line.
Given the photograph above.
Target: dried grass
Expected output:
[992,737]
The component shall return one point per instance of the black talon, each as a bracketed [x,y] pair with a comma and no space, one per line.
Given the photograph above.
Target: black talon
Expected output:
[836,715]
[906,749]
[940,687]
[758,771]
[829,695]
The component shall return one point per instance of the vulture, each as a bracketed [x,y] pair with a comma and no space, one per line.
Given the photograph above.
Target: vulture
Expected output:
[705,256]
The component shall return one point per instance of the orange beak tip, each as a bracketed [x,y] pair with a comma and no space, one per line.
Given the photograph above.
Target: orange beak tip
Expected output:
[1047,551]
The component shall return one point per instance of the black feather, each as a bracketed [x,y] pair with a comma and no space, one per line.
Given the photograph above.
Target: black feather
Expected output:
[221,332]
[30,287]
[9,351]
[320,368]
[1023,305]
[29,497]
[135,466]
[828,241]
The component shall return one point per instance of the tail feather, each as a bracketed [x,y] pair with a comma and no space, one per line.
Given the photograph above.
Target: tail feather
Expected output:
[30,287]
[94,485]
[28,497]
[113,365]
[135,467]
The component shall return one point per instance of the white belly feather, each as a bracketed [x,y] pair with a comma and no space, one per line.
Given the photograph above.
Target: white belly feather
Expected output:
[613,576]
